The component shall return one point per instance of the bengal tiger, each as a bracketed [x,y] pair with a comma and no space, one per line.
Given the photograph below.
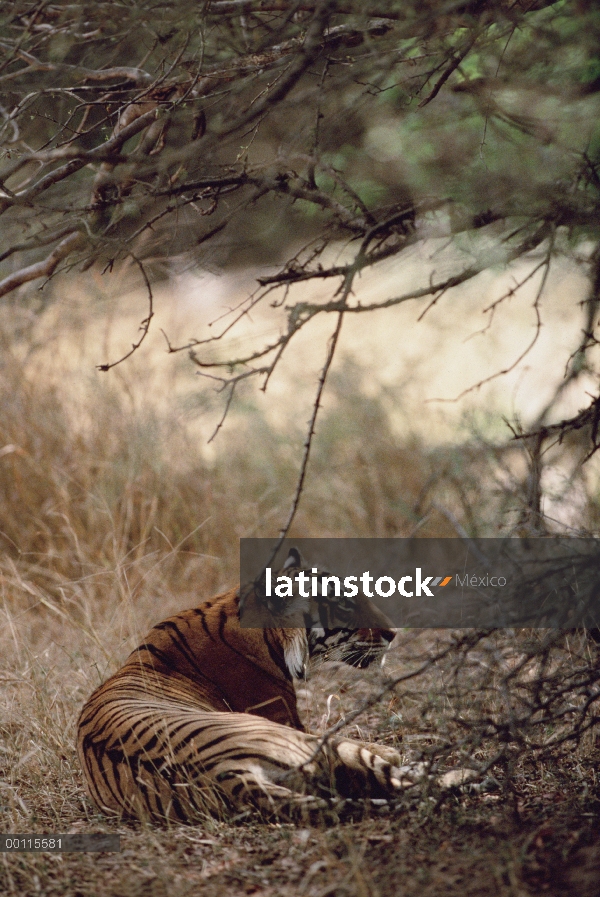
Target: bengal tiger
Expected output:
[202,717]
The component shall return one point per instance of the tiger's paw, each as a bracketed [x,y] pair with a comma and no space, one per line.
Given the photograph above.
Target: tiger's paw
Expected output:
[385,752]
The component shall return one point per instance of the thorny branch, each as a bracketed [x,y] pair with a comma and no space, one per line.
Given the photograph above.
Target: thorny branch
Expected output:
[144,326]
[545,266]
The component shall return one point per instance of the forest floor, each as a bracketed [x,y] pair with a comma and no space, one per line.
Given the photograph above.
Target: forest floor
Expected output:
[543,838]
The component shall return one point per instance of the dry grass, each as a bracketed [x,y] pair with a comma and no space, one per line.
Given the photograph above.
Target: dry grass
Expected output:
[111,517]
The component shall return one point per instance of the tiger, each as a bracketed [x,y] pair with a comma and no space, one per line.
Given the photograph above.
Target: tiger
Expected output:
[202,718]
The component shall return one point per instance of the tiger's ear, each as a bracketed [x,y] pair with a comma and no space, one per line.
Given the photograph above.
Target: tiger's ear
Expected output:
[293,559]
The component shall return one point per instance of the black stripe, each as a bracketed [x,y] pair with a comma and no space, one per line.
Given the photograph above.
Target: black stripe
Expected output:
[199,611]
[181,643]
[278,658]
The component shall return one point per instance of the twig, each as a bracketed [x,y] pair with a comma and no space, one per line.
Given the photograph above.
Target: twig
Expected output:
[144,325]
[225,411]
[311,428]
[524,353]
[454,64]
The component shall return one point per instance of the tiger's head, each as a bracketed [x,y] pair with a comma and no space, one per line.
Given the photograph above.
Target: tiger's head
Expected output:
[324,623]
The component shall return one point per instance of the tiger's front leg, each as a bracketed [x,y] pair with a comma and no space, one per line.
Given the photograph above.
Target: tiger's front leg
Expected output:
[331,774]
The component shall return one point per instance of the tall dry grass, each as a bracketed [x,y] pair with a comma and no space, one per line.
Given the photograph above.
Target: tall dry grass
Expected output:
[112,513]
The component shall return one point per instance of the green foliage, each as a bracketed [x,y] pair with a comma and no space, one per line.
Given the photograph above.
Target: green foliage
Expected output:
[494,86]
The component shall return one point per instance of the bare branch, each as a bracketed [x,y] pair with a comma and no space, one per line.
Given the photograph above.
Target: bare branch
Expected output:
[449,70]
[526,350]
[144,325]
[44,268]
[122,73]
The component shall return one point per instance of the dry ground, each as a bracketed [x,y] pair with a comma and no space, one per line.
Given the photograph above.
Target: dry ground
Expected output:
[542,838]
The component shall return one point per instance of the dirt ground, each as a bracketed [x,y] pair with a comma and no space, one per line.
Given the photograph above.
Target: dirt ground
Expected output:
[393,856]
[542,838]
